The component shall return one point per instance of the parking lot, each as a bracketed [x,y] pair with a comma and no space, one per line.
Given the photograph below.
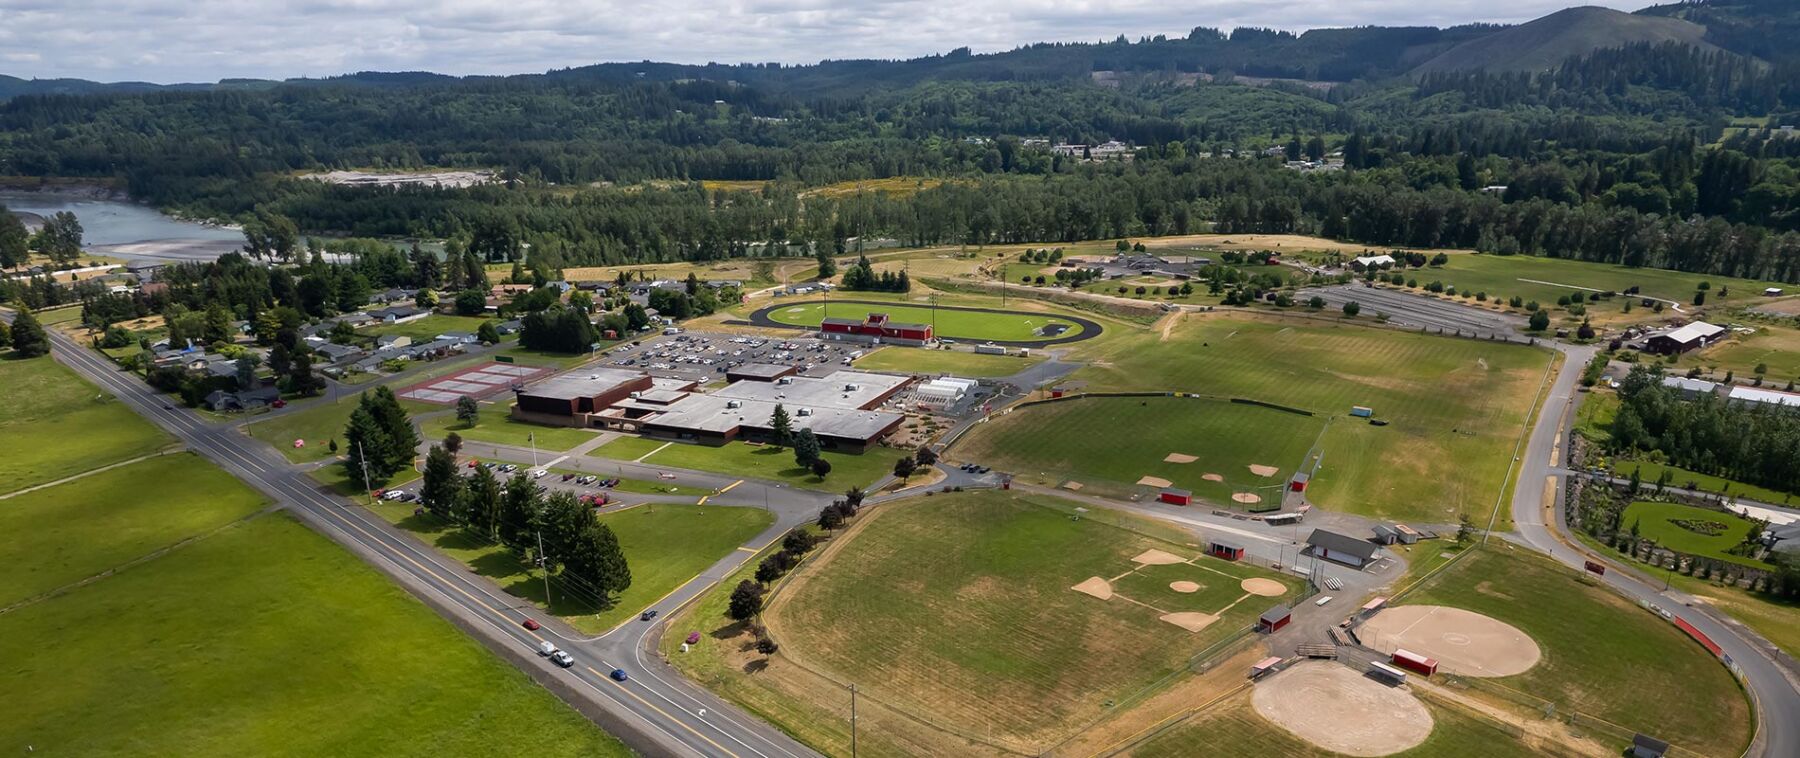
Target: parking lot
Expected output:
[705,357]
[590,489]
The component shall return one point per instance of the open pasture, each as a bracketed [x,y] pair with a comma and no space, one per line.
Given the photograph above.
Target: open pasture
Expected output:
[54,424]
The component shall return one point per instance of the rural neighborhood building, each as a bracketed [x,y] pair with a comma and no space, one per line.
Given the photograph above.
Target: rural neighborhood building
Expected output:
[1646,746]
[876,328]
[943,392]
[1273,619]
[1341,548]
[1365,262]
[1759,396]
[1689,389]
[220,400]
[1695,335]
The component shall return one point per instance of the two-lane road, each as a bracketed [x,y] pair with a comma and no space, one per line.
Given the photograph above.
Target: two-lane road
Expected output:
[655,711]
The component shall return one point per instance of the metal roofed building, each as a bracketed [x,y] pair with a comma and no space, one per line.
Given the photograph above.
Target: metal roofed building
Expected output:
[715,419]
[1742,394]
[840,389]
[580,392]
[1689,388]
[1697,334]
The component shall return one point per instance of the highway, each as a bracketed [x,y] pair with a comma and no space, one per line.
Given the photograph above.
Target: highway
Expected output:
[656,711]
[1539,518]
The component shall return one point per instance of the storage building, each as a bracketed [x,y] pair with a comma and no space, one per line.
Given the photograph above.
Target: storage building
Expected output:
[1695,335]
[1273,619]
[1174,496]
[875,328]
[1415,662]
[1341,548]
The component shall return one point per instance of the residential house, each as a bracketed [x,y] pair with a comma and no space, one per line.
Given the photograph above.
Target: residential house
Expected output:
[459,338]
[334,353]
[399,314]
[390,341]
[509,327]
[396,295]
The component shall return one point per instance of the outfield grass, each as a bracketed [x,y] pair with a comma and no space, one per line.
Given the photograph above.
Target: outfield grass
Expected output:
[1657,521]
[318,424]
[1107,443]
[498,427]
[1456,407]
[1602,654]
[265,639]
[78,529]
[914,360]
[987,634]
[54,424]
[1236,723]
[962,325]
[428,328]
[666,545]
[758,461]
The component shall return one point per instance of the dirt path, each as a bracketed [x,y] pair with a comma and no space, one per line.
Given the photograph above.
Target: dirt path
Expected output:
[1168,324]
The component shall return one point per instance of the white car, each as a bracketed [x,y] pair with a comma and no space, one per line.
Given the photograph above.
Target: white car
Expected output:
[538,474]
[562,659]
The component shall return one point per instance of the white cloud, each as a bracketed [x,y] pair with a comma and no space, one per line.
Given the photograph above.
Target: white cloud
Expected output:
[205,40]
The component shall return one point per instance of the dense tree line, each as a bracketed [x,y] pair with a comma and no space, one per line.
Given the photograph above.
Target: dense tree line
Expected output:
[1753,443]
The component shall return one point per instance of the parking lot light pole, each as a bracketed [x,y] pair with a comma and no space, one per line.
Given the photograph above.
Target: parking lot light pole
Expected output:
[544,568]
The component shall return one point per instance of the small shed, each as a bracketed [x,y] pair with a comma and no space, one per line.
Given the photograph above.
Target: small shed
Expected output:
[1415,662]
[1385,535]
[1175,496]
[1273,619]
[1646,746]
[1771,291]
[1408,535]
[1341,548]
[1387,672]
[1226,550]
[1298,483]
[1264,666]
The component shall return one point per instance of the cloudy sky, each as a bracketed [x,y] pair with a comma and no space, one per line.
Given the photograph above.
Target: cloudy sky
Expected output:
[205,40]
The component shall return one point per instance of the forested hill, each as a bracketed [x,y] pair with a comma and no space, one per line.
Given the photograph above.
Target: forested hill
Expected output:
[1542,44]
[1766,29]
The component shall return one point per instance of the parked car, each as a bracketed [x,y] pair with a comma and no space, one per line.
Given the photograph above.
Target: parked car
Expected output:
[538,474]
[567,477]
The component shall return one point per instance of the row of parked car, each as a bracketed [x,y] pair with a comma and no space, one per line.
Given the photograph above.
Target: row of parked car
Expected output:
[974,469]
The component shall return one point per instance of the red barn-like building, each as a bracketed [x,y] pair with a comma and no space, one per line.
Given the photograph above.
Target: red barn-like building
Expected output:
[875,327]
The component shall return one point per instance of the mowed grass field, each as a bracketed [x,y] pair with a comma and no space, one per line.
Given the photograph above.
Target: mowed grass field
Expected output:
[759,461]
[666,545]
[54,424]
[497,426]
[914,360]
[959,606]
[1108,443]
[1775,347]
[428,328]
[1235,723]
[324,420]
[1456,407]
[1546,279]
[67,533]
[1657,521]
[1602,654]
[265,639]
[963,325]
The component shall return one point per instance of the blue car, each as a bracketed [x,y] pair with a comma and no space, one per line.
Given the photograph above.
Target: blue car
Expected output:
[619,675]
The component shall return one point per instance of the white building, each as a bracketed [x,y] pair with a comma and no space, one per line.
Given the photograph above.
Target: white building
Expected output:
[1372,261]
[943,392]
[1742,394]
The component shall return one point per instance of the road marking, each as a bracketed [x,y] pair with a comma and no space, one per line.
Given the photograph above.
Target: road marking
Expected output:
[728,487]
[665,714]
[554,462]
[640,459]
[750,550]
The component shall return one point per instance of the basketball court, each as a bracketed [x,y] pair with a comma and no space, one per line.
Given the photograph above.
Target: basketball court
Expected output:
[479,382]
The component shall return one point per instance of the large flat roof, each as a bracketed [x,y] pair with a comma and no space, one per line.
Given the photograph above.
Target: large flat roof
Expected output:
[832,391]
[583,383]
[770,370]
[714,413]
[1757,395]
[1694,331]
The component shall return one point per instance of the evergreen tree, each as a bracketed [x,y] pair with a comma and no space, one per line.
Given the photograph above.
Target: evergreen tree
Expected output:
[781,428]
[596,558]
[443,486]
[467,410]
[519,512]
[28,338]
[481,503]
[300,378]
[806,448]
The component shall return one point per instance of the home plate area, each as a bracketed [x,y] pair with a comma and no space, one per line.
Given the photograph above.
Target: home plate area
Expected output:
[1181,591]
[480,382]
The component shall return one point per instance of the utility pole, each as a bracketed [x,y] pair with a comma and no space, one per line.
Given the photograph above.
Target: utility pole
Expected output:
[532,436]
[543,566]
[852,721]
[368,489]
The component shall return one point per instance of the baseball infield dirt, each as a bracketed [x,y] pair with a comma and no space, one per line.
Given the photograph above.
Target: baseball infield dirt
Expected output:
[1189,620]
[1096,587]
[1185,587]
[1261,470]
[1340,709]
[1179,458]
[1263,587]
[1154,481]
[1212,477]
[1247,498]
[1155,557]
[1463,642]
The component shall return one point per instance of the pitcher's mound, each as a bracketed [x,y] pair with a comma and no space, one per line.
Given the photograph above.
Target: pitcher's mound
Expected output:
[1184,587]
[1179,458]
[1212,477]
[1246,497]
[1190,621]
[1337,708]
[1464,642]
[1155,557]
[1155,481]
[1261,470]
[1263,587]
[1096,587]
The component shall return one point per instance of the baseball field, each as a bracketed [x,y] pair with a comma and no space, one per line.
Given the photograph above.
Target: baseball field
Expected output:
[1023,625]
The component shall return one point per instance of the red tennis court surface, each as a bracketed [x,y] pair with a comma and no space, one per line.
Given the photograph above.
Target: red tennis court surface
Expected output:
[479,382]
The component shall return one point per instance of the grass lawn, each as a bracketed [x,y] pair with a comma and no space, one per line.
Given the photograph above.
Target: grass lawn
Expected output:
[1773,346]
[1649,472]
[339,480]
[666,545]
[1236,723]
[265,639]
[1602,654]
[987,634]
[428,328]
[1456,407]
[318,424]
[72,531]
[777,464]
[500,428]
[66,427]
[1594,417]
[1536,278]
[914,360]
[1663,522]
[964,325]
[1107,443]
[628,448]
[1776,619]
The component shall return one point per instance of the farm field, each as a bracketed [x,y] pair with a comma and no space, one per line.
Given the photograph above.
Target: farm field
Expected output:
[496,425]
[48,403]
[77,529]
[251,642]
[666,545]
[1776,347]
[991,636]
[743,270]
[318,424]
[1234,722]
[954,324]
[428,328]
[1663,522]
[1109,443]
[913,360]
[1546,279]
[1602,654]
[761,462]
[1455,407]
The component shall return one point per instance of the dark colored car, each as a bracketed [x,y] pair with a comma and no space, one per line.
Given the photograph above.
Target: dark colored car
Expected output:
[619,675]
[647,615]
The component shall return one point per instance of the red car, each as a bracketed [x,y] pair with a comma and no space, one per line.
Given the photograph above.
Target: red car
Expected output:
[532,625]
[278,404]
[473,463]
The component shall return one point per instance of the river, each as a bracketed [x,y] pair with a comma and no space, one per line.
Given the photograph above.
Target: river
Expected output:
[127,230]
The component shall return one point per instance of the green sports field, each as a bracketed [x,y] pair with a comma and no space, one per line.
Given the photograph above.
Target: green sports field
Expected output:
[1602,654]
[1663,522]
[1108,443]
[987,635]
[913,360]
[1455,407]
[54,424]
[1235,722]
[955,324]
[666,546]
